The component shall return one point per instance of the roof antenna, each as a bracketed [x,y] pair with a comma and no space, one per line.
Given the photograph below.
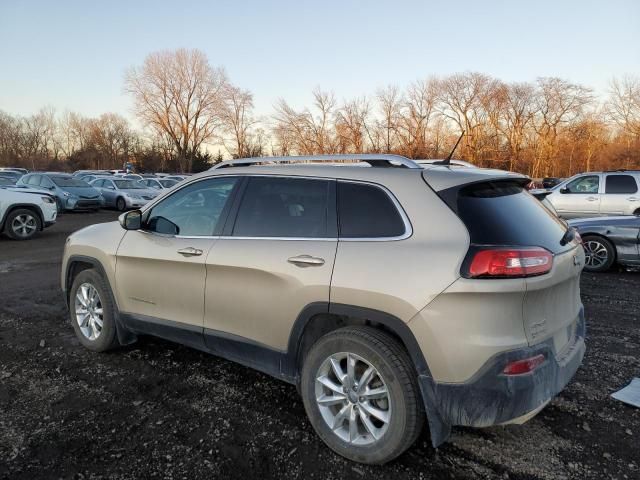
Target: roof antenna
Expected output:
[447,161]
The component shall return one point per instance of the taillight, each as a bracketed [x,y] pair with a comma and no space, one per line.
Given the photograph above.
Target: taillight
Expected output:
[510,262]
[525,365]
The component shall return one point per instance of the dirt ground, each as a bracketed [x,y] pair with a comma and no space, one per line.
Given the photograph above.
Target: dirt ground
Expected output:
[159,410]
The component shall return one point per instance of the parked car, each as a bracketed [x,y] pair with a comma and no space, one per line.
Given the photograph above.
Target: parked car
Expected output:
[597,194]
[6,181]
[123,193]
[128,176]
[177,178]
[609,240]
[24,214]
[550,182]
[13,175]
[70,192]
[335,279]
[157,183]
[22,171]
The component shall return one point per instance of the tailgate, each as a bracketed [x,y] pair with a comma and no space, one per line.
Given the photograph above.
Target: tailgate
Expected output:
[552,302]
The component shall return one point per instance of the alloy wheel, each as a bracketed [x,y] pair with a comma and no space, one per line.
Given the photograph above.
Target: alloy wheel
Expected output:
[596,253]
[353,398]
[89,311]
[24,225]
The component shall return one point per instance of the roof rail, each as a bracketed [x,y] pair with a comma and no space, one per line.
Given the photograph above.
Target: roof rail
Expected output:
[375,160]
[622,170]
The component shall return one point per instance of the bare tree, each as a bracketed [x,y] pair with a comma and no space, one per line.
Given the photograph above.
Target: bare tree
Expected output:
[180,94]
[390,105]
[238,122]
[353,125]
[623,105]
[418,111]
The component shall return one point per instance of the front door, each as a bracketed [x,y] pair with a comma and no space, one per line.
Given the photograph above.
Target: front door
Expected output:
[160,269]
[578,198]
[276,259]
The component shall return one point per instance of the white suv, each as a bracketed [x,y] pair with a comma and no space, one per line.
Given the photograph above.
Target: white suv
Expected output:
[24,214]
[597,194]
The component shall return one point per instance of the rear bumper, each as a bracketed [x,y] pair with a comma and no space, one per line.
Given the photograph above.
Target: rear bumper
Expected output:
[492,398]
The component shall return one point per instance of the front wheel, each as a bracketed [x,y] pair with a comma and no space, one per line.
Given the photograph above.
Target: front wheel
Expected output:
[22,224]
[121,204]
[360,392]
[92,312]
[599,253]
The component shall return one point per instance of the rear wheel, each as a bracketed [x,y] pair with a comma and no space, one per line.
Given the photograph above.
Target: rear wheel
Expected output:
[121,204]
[22,224]
[361,395]
[599,253]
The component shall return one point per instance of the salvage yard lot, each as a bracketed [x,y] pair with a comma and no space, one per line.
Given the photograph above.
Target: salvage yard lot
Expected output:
[156,409]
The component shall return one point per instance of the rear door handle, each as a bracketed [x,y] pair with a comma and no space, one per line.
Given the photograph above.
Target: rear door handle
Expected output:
[306,261]
[633,199]
[592,199]
[190,252]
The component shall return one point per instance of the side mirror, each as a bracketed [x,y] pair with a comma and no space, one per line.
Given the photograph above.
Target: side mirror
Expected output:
[564,190]
[131,220]
[51,187]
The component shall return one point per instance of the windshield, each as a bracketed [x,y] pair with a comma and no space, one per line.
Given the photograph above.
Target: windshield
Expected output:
[128,184]
[168,183]
[68,182]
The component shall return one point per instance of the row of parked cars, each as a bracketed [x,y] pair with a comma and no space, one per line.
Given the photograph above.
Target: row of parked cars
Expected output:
[30,201]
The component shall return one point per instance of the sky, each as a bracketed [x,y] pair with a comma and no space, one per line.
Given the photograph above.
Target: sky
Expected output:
[72,55]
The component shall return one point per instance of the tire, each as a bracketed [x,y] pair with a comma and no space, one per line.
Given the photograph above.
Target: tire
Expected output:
[600,253]
[394,371]
[121,204]
[92,335]
[22,224]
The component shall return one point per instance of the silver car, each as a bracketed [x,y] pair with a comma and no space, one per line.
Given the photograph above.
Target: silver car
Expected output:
[123,194]
[596,194]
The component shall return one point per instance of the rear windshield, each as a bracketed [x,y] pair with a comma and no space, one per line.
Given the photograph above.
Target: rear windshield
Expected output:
[69,182]
[128,184]
[504,213]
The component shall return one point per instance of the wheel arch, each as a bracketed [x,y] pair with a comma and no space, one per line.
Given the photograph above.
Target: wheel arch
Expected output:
[78,263]
[318,319]
[28,206]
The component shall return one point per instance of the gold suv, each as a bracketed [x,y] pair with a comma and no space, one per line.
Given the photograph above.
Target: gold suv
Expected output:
[385,291]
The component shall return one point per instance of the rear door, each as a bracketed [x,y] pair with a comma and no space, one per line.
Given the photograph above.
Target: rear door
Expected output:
[274,260]
[578,198]
[620,194]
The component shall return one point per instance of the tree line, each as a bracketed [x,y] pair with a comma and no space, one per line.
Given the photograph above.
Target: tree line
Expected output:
[189,108]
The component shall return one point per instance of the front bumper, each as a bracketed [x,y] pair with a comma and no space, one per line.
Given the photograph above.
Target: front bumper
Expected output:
[492,398]
[135,202]
[84,203]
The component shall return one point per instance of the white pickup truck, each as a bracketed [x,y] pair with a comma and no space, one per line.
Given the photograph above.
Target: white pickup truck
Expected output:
[23,214]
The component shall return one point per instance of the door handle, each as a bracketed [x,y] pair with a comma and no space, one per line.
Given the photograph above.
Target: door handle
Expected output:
[633,199]
[190,252]
[306,261]
[592,199]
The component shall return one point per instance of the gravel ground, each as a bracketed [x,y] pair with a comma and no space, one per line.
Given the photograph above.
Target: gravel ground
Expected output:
[159,410]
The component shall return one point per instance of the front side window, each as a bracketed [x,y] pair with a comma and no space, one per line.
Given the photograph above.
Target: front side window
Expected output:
[587,184]
[98,183]
[367,211]
[620,184]
[194,210]
[284,207]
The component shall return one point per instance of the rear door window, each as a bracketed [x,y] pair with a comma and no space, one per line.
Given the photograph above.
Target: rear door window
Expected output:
[620,184]
[285,208]
[367,211]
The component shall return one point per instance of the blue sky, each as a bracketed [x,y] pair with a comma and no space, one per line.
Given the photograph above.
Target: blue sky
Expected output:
[73,54]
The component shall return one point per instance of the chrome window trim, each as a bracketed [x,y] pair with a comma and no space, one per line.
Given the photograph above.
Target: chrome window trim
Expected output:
[405,219]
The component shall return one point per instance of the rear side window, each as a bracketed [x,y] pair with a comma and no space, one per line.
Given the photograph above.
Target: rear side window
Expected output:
[284,207]
[367,211]
[621,184]
[504,214]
